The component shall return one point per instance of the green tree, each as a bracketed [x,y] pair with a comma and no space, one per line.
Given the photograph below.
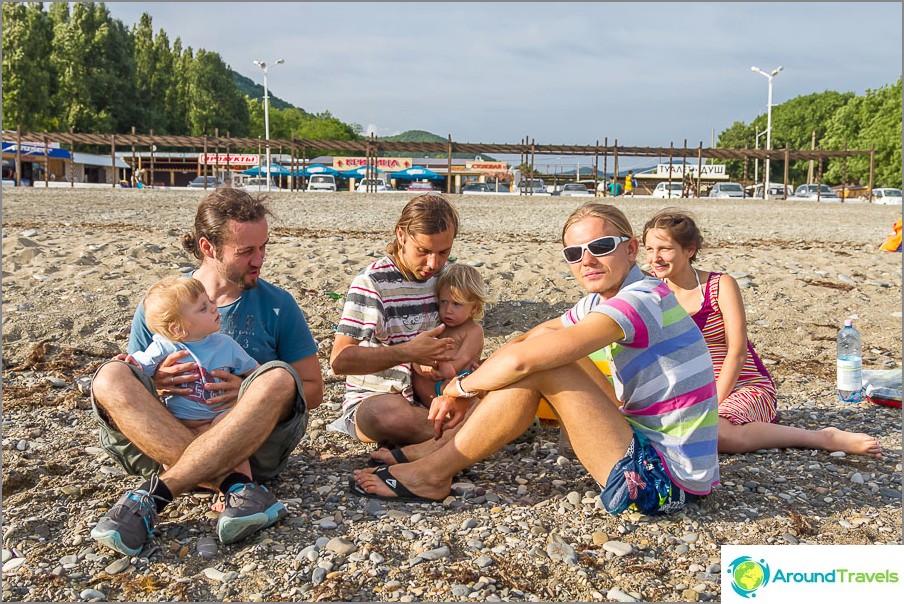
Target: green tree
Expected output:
[27,43]
[871,120]
[214,100]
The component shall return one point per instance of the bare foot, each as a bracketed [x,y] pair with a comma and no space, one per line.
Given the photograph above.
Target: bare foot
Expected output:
[371,483]
[855,443]
[385,456]
[219,503]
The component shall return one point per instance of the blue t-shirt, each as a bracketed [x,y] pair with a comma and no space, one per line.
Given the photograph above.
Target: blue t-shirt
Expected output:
[266,321]
[216,352]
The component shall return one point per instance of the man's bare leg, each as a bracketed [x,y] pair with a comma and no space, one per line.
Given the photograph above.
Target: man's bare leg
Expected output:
[391,418]
[210,457]
[416,451]
[598,431]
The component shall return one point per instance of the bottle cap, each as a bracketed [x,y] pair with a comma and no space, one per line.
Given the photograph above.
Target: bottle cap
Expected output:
[848,322]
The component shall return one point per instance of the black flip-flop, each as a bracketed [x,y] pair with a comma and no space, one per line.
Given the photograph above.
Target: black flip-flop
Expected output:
[397,454]
[401,492]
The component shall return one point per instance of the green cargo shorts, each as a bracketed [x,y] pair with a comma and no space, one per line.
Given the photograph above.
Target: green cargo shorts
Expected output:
[266,463]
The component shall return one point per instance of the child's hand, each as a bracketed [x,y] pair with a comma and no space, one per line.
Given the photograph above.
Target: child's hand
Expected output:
[128,359]
[427,371]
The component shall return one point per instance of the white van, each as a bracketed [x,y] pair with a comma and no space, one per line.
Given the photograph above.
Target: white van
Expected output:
[378,185]
[322,182]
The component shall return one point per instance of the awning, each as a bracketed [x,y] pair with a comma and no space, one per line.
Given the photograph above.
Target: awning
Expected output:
[273,170]
[91,159]
[361,172]
[36,150]
[316,169]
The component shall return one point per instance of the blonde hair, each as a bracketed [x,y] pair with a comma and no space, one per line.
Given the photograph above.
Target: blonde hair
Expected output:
[466,286]
[163,304]
[603,211]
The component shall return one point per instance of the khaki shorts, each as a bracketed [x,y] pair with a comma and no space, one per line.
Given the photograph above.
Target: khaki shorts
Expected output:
[266,463]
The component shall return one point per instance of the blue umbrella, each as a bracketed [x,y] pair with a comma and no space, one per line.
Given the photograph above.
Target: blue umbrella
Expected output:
[359,173]
[316,169]
[417,173]
[273,170]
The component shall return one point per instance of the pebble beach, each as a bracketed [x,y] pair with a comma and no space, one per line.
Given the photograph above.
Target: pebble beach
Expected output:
[523,525]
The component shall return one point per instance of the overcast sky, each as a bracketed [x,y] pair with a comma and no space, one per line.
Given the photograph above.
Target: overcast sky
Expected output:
[646,74]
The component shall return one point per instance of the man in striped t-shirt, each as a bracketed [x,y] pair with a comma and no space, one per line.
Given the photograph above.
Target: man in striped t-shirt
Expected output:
[391,320]
[649,438]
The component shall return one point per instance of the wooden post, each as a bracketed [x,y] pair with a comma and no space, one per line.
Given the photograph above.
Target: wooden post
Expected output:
[699,167]
[216,159]
[19,156]
[872,170]
[71,161]
[133,180]
[844,173]
[671,153]
[596,165]
[113,159]
[787,168]
[746,161]
[151,183]
[605,164]
[819,180]
[449,165]
[615,164]
[46,163]
[227,159]
[684,170]
[532,155]
[812,148]
[205,162]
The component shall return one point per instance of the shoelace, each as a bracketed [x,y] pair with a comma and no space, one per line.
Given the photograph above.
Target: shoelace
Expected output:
[145,500]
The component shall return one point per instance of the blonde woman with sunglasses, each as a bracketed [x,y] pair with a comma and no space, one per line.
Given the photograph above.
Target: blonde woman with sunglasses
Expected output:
[747,399]
[649,438]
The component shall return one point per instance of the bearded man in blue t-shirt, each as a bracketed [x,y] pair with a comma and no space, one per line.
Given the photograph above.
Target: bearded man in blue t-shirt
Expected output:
[269,408]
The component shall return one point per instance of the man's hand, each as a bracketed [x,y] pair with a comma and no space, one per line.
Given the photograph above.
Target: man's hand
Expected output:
[427,348]
[171,377]
[228,390]
[446,412]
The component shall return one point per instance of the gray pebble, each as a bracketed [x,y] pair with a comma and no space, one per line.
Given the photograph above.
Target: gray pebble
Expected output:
[318,575]
[619,548]
[117,566]
[341,546]
[92,594]
[483,562]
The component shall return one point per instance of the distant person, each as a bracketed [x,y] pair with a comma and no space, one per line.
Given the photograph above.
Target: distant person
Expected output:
[181,316]
[614,187]
[391,320]
[688,188]
[269,408]
[748,405]
[630,183]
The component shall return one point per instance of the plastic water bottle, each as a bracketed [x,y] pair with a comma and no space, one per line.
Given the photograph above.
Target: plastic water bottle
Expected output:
[850,363]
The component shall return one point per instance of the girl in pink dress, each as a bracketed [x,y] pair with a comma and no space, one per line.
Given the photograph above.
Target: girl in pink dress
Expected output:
[746,392]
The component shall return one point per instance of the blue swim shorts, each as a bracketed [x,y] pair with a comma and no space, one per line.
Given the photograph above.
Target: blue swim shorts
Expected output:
[639,482]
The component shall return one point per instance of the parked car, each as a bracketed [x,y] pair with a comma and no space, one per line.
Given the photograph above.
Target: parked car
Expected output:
[475,188]
[212,182]
[419,186]
[775,191]
[377,184]
[574,189]
[322,182]
[533,186]
[887,196]
[810,192]
[258,184]
[667,190]
[726,189]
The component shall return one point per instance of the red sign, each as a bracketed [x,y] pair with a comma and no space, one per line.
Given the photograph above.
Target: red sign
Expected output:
[387,164]
[232,159]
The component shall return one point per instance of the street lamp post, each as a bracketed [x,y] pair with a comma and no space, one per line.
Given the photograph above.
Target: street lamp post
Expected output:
[756,162]
[266,68]
[769,76]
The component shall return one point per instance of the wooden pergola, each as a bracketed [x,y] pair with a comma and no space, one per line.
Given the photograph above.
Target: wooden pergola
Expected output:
[528,149]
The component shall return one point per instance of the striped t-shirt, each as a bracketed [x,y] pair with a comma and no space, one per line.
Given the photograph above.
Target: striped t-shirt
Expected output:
[384,308]
[663,374]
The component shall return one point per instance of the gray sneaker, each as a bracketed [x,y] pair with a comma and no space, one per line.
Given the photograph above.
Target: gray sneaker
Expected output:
[249,508]
[129,523]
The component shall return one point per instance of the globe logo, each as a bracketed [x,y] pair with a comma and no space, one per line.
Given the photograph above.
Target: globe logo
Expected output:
[748,575]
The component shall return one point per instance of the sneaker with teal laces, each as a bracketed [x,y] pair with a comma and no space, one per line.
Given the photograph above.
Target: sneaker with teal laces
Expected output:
[129,523]
[250,507]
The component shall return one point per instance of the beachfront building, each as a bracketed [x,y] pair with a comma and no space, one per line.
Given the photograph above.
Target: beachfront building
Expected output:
[49,163]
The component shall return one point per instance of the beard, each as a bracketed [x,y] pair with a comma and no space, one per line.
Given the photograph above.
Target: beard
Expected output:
[238,277]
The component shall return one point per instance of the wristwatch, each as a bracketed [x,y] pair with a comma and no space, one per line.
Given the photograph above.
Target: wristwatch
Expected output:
[462,393]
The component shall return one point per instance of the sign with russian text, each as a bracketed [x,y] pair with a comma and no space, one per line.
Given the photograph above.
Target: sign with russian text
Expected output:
[232,159]
[386,164]
[706,171]
[487,166]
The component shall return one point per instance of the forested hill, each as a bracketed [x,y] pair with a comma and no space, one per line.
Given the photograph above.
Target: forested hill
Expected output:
[253,90]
